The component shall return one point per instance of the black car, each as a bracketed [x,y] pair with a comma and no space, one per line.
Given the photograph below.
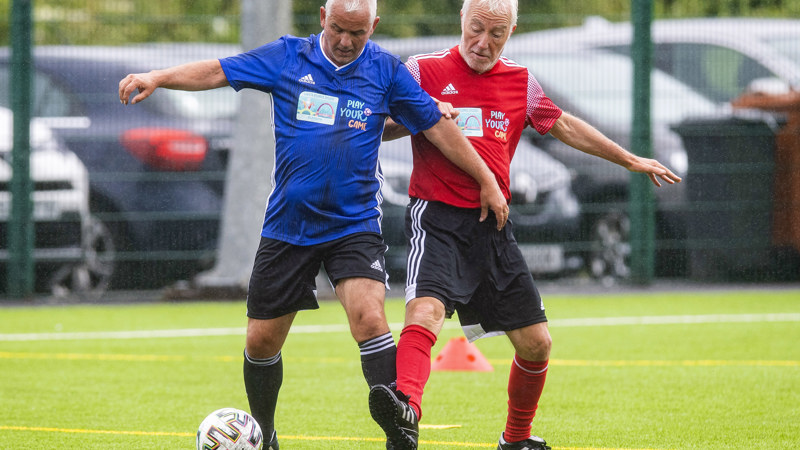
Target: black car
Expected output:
[156,169]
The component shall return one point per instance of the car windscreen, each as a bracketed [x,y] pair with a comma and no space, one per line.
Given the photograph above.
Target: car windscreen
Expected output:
[600,87]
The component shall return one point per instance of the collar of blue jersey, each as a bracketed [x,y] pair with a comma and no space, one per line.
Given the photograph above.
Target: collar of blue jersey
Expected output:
[335,66]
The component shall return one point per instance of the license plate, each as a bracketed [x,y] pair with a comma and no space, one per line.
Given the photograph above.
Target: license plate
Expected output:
[543,258]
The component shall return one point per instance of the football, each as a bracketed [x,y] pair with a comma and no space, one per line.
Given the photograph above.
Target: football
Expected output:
[229,429]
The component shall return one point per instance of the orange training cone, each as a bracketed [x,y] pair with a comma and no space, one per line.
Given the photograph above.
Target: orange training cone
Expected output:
[460,354]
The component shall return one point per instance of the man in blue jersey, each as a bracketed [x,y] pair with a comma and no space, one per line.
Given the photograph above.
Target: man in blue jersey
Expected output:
[331,94]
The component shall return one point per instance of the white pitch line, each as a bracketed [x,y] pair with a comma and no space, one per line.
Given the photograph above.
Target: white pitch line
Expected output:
[342,328]
[676,320]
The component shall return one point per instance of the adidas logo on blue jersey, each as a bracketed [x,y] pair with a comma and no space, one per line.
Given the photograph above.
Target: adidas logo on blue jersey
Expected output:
[308,79]
[449,89]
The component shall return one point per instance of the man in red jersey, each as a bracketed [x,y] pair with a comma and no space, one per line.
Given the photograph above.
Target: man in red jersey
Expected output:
[455,262]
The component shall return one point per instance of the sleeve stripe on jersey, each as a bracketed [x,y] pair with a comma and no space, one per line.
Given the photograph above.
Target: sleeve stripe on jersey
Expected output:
[437,55]
[509,62]
[413,66]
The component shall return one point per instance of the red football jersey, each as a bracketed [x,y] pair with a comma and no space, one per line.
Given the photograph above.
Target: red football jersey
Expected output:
[494,107]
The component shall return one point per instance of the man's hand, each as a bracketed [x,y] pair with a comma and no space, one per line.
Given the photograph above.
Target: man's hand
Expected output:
[492,198]
[143,82]
[654,170]
[446,108]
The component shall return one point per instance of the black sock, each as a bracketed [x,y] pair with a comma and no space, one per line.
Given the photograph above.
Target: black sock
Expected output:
[262,381]
[378,360]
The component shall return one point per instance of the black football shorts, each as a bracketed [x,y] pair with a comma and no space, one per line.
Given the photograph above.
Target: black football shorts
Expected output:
[284,275]
[471,267]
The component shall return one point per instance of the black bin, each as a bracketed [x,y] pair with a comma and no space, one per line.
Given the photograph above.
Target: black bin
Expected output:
[729,192]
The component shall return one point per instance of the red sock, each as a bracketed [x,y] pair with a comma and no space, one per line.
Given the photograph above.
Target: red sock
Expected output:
[414,363]
[525,385]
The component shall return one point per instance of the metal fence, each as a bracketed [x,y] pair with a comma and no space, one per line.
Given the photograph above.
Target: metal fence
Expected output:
[145,184]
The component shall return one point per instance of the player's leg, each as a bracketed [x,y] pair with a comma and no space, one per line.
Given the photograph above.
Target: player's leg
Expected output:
[424,319]
[445,265]
[356,268]
[526,379]
[362,299]
[442,268]
[516,307]
[397,408]
[282,283]
[263,369]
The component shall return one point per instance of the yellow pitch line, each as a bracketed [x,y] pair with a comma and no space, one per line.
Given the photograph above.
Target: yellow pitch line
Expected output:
[81,431]
[646,362]
[496,362]
[282,437]
[662,363]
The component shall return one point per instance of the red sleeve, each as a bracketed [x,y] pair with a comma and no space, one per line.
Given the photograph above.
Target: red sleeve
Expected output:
[541,112]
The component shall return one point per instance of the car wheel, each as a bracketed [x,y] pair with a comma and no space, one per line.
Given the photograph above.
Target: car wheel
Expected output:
[91,277]
[609,257]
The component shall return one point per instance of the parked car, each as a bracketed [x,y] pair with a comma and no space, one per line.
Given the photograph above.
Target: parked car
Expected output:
[544,211]
[719,57]
[72,251]
[156,170]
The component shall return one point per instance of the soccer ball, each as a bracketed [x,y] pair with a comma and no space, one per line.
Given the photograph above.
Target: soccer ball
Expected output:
[229,429]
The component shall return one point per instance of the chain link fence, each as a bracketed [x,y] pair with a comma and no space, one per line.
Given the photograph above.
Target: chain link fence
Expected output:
[146,183]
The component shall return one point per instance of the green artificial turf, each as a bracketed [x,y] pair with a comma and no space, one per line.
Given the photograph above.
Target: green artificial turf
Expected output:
[704,370]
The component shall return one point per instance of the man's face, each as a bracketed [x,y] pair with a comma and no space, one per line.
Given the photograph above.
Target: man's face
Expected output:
[483,36]
[346,33]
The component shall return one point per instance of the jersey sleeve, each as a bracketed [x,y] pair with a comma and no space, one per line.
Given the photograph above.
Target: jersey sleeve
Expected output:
[256,69]
[411,106]
[541,113]
[413,67]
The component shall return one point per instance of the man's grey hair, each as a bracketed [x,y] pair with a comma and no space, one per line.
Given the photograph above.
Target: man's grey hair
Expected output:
[509,7]
[356,5]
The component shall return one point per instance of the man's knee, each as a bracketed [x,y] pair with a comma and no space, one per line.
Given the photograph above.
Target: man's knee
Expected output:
[427,312]
[265,338]
[532,343]
[368,323]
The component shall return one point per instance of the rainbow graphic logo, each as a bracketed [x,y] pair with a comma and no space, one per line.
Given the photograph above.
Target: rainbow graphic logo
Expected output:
[318,108]
[470,121]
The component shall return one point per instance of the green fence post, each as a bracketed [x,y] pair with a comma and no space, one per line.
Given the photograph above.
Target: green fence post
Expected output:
[642,202]
[20,230]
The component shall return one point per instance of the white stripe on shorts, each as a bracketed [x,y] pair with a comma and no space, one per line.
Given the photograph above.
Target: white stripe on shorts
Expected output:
[416,248]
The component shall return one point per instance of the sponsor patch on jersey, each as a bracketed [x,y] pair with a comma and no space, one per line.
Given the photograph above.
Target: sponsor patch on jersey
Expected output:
[318,108]
[470,121]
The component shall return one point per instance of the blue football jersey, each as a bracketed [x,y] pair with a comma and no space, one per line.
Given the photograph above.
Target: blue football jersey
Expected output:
[328,123]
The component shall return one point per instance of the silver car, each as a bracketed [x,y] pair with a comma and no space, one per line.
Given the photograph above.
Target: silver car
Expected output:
[73,254]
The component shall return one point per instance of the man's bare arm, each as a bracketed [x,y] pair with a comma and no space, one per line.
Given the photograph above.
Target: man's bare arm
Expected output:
[580,135]
[193,76]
